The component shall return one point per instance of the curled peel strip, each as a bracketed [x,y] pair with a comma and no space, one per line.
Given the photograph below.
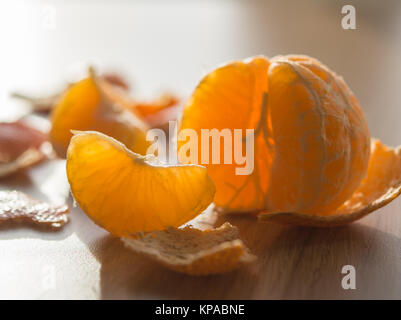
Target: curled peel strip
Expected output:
[21,146]
[193,251]
[381,185]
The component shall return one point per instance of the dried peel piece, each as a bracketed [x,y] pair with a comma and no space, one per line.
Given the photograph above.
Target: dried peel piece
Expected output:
[193,251]
[20,146]
[38,104]
[16,206]
[381,185]
[116,80]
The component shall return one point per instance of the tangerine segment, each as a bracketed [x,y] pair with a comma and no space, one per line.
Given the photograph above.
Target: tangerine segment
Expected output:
[86,106]
[381,185]
[18,207]
[312,144]
[357,127]
[193,251]
[232,97]
[321,148]
[125,193]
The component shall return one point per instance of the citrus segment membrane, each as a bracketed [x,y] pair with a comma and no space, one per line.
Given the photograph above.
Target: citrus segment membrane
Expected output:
[321,149]
[18,207]
[20,146]
[126,193]
[233,97]
[192,251]
[381,185]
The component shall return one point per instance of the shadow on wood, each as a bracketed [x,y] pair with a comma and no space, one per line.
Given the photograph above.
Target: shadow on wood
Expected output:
[292,263]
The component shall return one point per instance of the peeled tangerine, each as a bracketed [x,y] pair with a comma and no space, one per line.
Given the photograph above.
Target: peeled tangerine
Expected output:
[312,146]
[94,104]
[135,197]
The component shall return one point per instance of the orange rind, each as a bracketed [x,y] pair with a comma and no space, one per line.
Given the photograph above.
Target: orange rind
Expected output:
[192,251]
[165,101]
[158,112]
[18,207]
[126,193]
[381,185]
[21,146]
[154,113]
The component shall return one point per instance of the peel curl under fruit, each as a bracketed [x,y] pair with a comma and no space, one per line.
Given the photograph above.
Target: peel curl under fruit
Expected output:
[381,185]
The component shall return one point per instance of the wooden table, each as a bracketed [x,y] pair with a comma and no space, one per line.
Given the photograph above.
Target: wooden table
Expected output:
[173,45]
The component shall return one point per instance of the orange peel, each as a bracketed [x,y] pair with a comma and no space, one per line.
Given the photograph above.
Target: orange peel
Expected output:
[20,147]
[192,251]
[166,100]
[381,185]
[16,206]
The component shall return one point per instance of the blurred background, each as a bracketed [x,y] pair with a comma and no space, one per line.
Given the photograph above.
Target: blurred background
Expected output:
[169,45]
[163,45]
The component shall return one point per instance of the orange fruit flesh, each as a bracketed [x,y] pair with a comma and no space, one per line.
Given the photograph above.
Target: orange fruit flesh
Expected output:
[85,106]
[321,151]
[226,98]
[126,193]
[312,144]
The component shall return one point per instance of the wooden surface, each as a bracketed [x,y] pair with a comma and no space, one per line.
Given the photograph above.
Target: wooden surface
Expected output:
[172,46]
